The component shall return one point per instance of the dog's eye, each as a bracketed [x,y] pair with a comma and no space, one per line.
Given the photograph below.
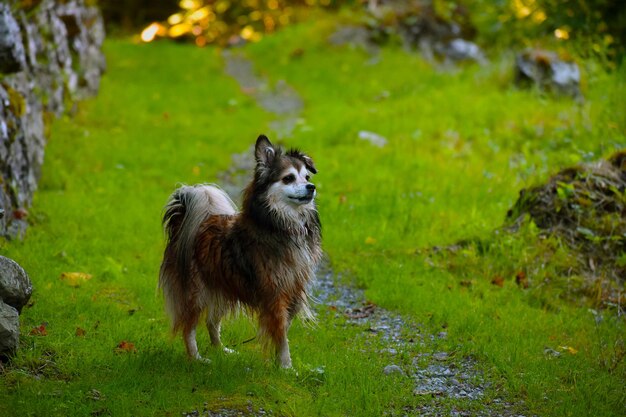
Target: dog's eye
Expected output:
[289,178]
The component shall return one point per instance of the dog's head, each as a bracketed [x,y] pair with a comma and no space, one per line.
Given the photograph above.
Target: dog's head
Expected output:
[283,178]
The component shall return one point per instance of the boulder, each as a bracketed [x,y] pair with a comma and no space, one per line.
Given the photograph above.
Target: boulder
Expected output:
[548,71]
[50,57]
[12,56]
[463,50]
[421,27]
[15,286]
[9,329]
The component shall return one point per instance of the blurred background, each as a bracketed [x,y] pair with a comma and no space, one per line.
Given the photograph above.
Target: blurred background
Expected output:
[588,27]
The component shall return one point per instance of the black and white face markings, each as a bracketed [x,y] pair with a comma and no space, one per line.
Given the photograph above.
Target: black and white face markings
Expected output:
[292,190]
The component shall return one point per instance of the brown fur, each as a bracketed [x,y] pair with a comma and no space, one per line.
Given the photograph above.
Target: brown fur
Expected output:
[256,259]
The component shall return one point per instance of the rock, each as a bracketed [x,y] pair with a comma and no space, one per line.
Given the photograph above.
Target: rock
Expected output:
[551,352]
[440,356]
[85,35]
[50,56]
[15,286]
[12,56]
[9,329]
[354,36]
[373,138]
[421,28]
[463,50]
[547,71]
[393,369]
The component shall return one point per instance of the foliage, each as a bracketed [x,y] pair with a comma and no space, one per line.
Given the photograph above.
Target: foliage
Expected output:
[226,22]
[128,15]
[591,27]
[597,28]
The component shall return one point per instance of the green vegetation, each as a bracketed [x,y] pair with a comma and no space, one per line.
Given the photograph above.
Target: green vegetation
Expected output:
[460,145]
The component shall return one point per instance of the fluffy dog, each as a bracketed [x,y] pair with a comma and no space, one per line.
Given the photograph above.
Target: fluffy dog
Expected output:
[262,258]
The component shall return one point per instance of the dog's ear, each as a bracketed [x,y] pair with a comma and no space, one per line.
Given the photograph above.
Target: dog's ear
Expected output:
[308,163]
[264,151]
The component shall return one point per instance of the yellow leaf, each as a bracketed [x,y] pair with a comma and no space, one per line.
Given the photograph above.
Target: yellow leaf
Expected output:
[569,349]
[370,240]
[74,279]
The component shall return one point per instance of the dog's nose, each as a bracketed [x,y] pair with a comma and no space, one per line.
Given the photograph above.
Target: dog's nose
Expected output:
[310,187]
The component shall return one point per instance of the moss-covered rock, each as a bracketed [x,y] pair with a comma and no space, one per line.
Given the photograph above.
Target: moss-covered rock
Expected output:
[51,56]
[585,207]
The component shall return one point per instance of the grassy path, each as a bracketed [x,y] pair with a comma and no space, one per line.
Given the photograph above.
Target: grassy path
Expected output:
[459,147]
[436,375]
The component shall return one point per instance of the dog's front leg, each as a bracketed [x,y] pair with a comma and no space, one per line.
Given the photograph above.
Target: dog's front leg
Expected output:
[274,324]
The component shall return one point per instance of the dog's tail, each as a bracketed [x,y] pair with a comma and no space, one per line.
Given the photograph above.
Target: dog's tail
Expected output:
[187,208]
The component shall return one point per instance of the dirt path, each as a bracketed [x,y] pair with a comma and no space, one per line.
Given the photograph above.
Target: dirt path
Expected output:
[437,376]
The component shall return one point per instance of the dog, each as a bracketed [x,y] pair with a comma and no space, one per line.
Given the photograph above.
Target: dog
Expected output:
[262,259]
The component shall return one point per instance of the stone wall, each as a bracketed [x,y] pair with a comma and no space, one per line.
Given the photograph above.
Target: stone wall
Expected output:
[50,57]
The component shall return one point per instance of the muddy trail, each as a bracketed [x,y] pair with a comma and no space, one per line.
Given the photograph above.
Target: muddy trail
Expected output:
[449,385]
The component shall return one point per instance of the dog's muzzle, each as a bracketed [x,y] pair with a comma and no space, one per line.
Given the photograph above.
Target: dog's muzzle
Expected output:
[307,196]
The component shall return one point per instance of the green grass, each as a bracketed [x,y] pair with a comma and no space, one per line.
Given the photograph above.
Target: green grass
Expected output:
[461,145]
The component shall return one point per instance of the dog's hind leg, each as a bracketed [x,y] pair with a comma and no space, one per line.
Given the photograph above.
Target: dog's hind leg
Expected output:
[213,324]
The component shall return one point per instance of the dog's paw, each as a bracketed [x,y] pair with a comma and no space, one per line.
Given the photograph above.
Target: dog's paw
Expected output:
[200,359]
[229,351]
[290,370]
[285,364]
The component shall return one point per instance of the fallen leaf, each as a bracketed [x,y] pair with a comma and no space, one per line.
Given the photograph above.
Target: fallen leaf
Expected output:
[360,312]
[498,280]
[125,347]
[521,279]
[80,332]
[95,395]
[74,279]
[39,330]
[20,213]
[296,53]
[370,240]
[568,349]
